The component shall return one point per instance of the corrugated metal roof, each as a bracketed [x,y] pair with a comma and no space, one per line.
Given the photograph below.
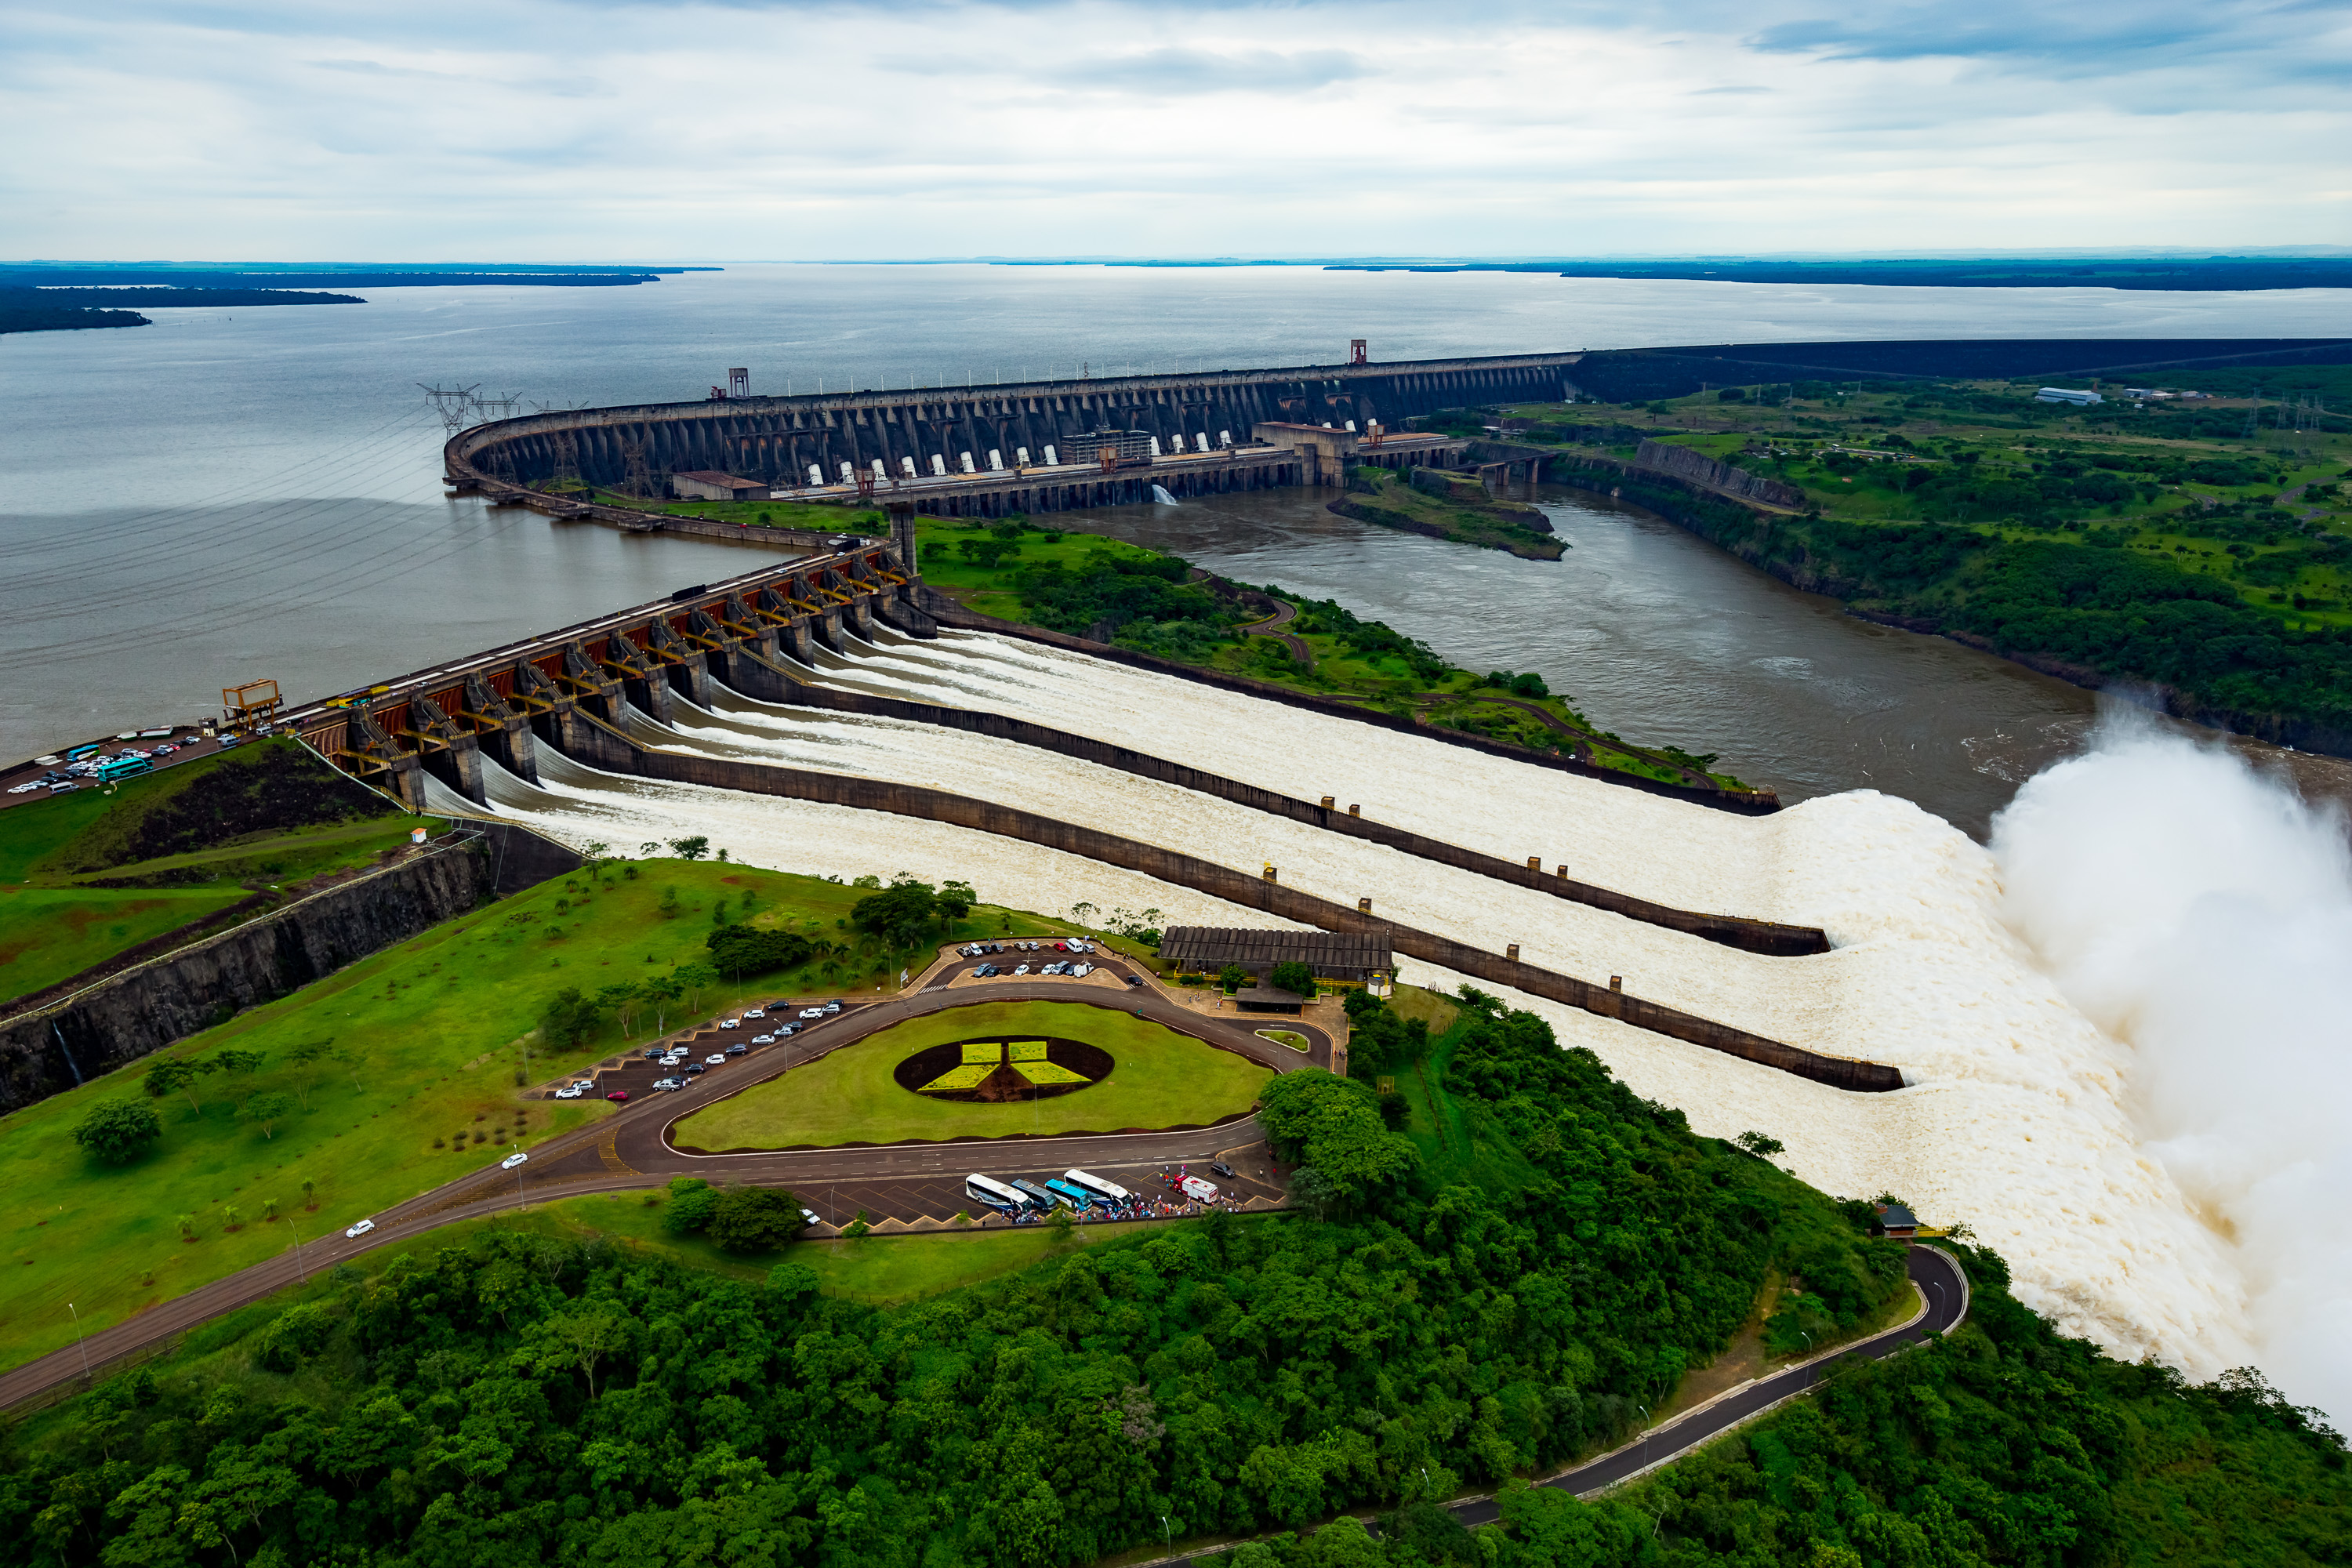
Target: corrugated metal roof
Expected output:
[1326,951]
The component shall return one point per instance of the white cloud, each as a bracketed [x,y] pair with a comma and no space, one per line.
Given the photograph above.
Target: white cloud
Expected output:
[536,129]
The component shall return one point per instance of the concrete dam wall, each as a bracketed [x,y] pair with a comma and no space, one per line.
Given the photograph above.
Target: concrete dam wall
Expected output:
[777,439]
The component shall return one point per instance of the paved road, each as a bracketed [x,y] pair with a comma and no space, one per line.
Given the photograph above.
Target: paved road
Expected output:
[632,1150]
[1944,1292]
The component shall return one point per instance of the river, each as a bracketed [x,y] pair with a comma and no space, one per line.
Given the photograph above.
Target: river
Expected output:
[254,493]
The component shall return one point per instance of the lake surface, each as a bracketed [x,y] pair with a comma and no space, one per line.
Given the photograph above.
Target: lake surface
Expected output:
[255,493]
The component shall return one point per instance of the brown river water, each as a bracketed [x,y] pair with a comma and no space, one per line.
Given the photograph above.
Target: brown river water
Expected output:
[1664,638]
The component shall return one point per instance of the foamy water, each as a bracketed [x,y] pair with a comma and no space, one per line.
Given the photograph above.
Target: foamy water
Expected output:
[2016,1119]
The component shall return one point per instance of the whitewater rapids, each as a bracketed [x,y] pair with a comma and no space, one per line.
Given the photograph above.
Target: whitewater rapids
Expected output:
[2015,1120]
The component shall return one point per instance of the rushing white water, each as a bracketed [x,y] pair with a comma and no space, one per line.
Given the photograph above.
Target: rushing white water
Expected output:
[2017,1118]
[2202,914]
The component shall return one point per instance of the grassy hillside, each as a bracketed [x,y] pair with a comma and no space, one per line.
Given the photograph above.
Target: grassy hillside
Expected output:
[89,874]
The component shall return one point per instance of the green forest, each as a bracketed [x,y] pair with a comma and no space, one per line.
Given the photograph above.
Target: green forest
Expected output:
[1488,1275]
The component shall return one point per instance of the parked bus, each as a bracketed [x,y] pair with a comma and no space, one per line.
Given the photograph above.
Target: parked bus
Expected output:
[1070,1193]
[78,753]
[1035,1195]
[122,768]
[1094,1186]
[995,1195]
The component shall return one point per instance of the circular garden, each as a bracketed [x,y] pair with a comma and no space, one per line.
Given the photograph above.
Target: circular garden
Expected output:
[988,1069]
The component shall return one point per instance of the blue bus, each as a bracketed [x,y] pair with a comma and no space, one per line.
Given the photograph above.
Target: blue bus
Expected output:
[1077,1197]
[78,753]
[122,768]
[1033,1195]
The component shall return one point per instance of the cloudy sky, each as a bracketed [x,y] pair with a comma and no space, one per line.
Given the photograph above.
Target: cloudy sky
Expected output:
[489,130]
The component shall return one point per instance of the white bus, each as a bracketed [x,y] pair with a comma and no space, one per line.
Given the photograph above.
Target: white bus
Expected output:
[1109,1192]
[995,1195]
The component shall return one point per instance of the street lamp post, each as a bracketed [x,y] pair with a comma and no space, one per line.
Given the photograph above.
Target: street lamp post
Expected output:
[1645,1437]
[79,1342]
[298,1267]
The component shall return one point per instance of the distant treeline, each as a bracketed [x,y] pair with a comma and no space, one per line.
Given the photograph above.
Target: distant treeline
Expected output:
[2200,274]
[105,276]
[23,310]
[168,297]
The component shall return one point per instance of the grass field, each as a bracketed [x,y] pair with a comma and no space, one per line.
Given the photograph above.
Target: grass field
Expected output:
[1161,1080]
[426,1039]
[49,933]
[54,924]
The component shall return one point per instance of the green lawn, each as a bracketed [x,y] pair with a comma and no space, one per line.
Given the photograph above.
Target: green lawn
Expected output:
[428,1038]
[1161,1080]
[1297,1042]
[49,933]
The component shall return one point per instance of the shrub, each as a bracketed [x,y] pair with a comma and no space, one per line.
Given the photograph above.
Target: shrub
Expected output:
[118,1131]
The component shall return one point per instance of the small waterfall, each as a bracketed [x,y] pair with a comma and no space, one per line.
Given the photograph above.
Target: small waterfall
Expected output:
[1160,496]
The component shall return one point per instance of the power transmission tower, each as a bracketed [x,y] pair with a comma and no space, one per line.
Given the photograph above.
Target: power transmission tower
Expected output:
[454,403]
[566,475]
[636,479]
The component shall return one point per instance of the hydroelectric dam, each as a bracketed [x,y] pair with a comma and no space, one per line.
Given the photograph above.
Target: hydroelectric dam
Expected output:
[1032,447]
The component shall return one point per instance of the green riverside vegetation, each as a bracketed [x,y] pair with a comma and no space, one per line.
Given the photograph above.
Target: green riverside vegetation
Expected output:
[2202,546]
[1446,1311]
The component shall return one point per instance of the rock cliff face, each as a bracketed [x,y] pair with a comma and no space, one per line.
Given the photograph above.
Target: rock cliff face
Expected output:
[122,1019]
[1700,470]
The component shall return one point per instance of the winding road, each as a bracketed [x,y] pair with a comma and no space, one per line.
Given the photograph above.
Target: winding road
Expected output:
[631,1148]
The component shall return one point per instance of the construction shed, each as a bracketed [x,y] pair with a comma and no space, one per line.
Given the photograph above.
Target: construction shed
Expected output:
[1332,955]
[702,484]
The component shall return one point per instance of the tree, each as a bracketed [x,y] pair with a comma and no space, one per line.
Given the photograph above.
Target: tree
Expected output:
[265,1110]
[901,914]
[693,849]
[567,1019]
[118,1131]
[1758,1144]
[1296,978]
[691,1201]
[697,978]
[1233,977]
[955,900]
[619,999]
[178,1075]
[747,950]
[1335,1125]
[754,1219]
[667,907]
[661,992]
[586,1336]
[241,1066]
[306,1057]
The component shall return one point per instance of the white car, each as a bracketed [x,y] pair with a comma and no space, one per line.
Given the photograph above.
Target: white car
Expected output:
[1083,969]
[666,1085]
[359,1229]
[763,1040]
[716,1059]
[730,1023]
[569,1091]
[755,1012]
[511,1160]
[811,1215]
[25,788]
[47,761]
[812,1012]
[1023,970]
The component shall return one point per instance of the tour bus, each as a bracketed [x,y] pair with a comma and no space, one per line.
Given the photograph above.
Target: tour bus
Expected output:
[122,768]
[1095,1187]
[1070,1193]
[78,753]
[1035,1195]
[995,1195]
